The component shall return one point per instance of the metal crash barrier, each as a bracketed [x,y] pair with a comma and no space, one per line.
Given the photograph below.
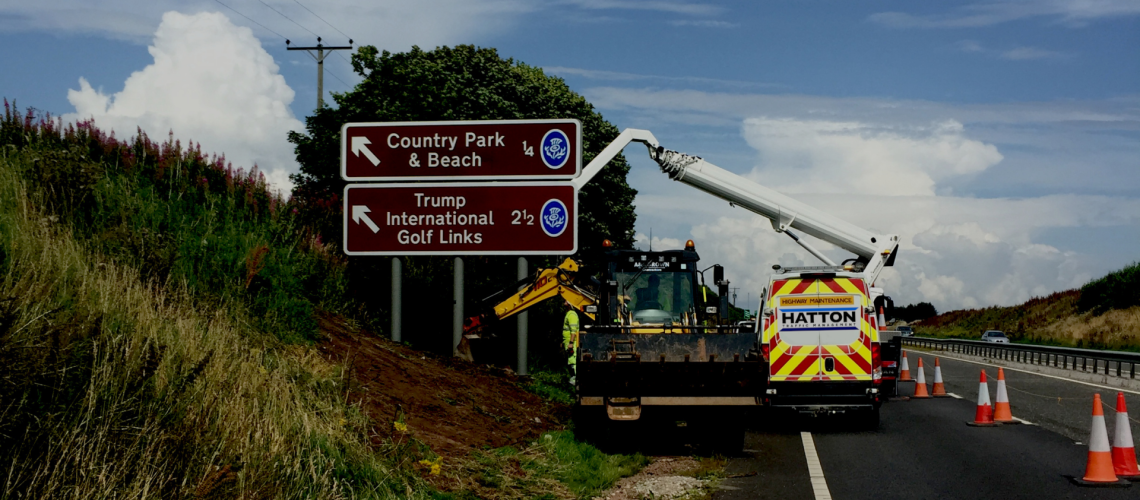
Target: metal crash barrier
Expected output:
[1069,358]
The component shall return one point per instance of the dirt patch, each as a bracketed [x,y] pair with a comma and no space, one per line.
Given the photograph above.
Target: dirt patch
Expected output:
[449,404]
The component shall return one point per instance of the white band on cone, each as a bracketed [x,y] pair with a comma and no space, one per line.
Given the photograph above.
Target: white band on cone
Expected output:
[1123,438]
[1002,396]
[984,396]
[1098,438]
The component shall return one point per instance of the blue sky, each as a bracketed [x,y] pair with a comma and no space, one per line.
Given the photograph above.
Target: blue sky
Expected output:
[1000,139]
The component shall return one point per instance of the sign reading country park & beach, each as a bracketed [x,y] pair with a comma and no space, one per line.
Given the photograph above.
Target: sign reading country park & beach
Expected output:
[458,150]
[470,218]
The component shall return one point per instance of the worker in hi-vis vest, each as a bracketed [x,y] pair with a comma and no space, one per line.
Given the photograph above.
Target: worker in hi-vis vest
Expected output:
[570,340]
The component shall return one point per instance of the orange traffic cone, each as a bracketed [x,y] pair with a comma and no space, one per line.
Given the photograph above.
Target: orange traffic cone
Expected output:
[1099,471]
[904,371]
[882,321]
[984,416]
[920,383]
[1123,451]
[938,390]
[1001,404]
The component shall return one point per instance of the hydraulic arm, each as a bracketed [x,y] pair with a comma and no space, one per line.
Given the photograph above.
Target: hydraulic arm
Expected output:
[545,284]
[873,251]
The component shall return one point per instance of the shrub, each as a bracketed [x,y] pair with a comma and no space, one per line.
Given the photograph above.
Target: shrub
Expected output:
[1116,290]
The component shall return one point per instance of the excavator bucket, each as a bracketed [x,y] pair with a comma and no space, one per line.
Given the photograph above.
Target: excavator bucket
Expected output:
[716,363]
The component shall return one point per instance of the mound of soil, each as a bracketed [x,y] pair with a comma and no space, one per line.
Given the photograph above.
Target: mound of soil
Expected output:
[449,404]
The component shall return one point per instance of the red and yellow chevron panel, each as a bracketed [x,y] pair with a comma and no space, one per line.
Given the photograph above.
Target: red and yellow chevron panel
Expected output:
[805,363]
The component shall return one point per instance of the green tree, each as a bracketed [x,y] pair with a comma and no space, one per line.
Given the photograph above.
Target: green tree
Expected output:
[455,83]
[915,312]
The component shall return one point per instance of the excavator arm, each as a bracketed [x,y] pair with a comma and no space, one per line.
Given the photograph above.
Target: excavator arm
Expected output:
[545,284]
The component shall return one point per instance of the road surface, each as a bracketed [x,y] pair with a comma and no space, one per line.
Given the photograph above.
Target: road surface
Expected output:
[923,449]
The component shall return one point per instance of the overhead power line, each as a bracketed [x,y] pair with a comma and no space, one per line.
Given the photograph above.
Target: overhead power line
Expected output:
[287,17]
[321,18]
[266,28]
[250,19]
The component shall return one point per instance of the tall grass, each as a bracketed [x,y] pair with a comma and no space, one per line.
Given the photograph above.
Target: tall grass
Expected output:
[115,387]
[176,215]
[1056,319]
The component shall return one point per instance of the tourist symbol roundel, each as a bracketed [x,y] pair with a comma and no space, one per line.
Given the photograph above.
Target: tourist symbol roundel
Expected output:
[554,218]
[555,149]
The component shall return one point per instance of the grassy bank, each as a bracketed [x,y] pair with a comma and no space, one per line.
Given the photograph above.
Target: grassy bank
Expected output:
[118,386]
[1103,314]
[156,311]
[178,216]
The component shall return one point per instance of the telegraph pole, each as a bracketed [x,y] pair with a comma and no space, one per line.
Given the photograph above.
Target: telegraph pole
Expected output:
[320,57]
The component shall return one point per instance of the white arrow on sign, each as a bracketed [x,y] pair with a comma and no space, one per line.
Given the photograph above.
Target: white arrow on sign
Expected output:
[360,212]
[360,145]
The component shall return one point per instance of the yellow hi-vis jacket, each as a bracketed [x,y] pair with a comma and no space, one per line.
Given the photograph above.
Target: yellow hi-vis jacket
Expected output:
[570,334]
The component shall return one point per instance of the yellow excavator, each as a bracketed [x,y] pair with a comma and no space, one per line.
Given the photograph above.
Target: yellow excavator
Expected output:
[545,284]
[659,348]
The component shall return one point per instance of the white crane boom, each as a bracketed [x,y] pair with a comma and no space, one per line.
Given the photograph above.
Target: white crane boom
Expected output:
[874,251]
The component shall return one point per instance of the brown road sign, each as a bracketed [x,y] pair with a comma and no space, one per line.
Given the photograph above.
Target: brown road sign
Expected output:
[473,218]
[461,150]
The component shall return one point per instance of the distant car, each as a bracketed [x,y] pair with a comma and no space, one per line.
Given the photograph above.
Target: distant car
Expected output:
[995,337]
[905,331]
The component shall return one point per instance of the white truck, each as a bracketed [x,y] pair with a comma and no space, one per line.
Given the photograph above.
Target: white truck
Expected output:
[818,331]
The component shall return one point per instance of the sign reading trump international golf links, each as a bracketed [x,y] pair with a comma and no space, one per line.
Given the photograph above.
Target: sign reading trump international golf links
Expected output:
[460,150]
[469,218]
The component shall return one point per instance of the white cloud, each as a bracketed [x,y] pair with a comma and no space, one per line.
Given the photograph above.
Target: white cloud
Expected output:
[894,166]
[642,240]
[970,46]
[665,105]
[676,7]
[594,74]
[1022,53]
[1030,53]
[980,14]
[817,156]
[210,82]
[394,25]
[391,24]
[703,23]
[954,252]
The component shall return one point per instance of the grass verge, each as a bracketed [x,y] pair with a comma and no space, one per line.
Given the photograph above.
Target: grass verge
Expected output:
[119,386]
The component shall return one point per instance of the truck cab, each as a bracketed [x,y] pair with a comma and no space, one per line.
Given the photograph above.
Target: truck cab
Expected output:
[820,338]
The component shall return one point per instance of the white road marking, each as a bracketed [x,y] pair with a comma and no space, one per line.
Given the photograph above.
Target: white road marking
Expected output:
[1022,420]
[1090,384]
[955,396]
[815,470]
